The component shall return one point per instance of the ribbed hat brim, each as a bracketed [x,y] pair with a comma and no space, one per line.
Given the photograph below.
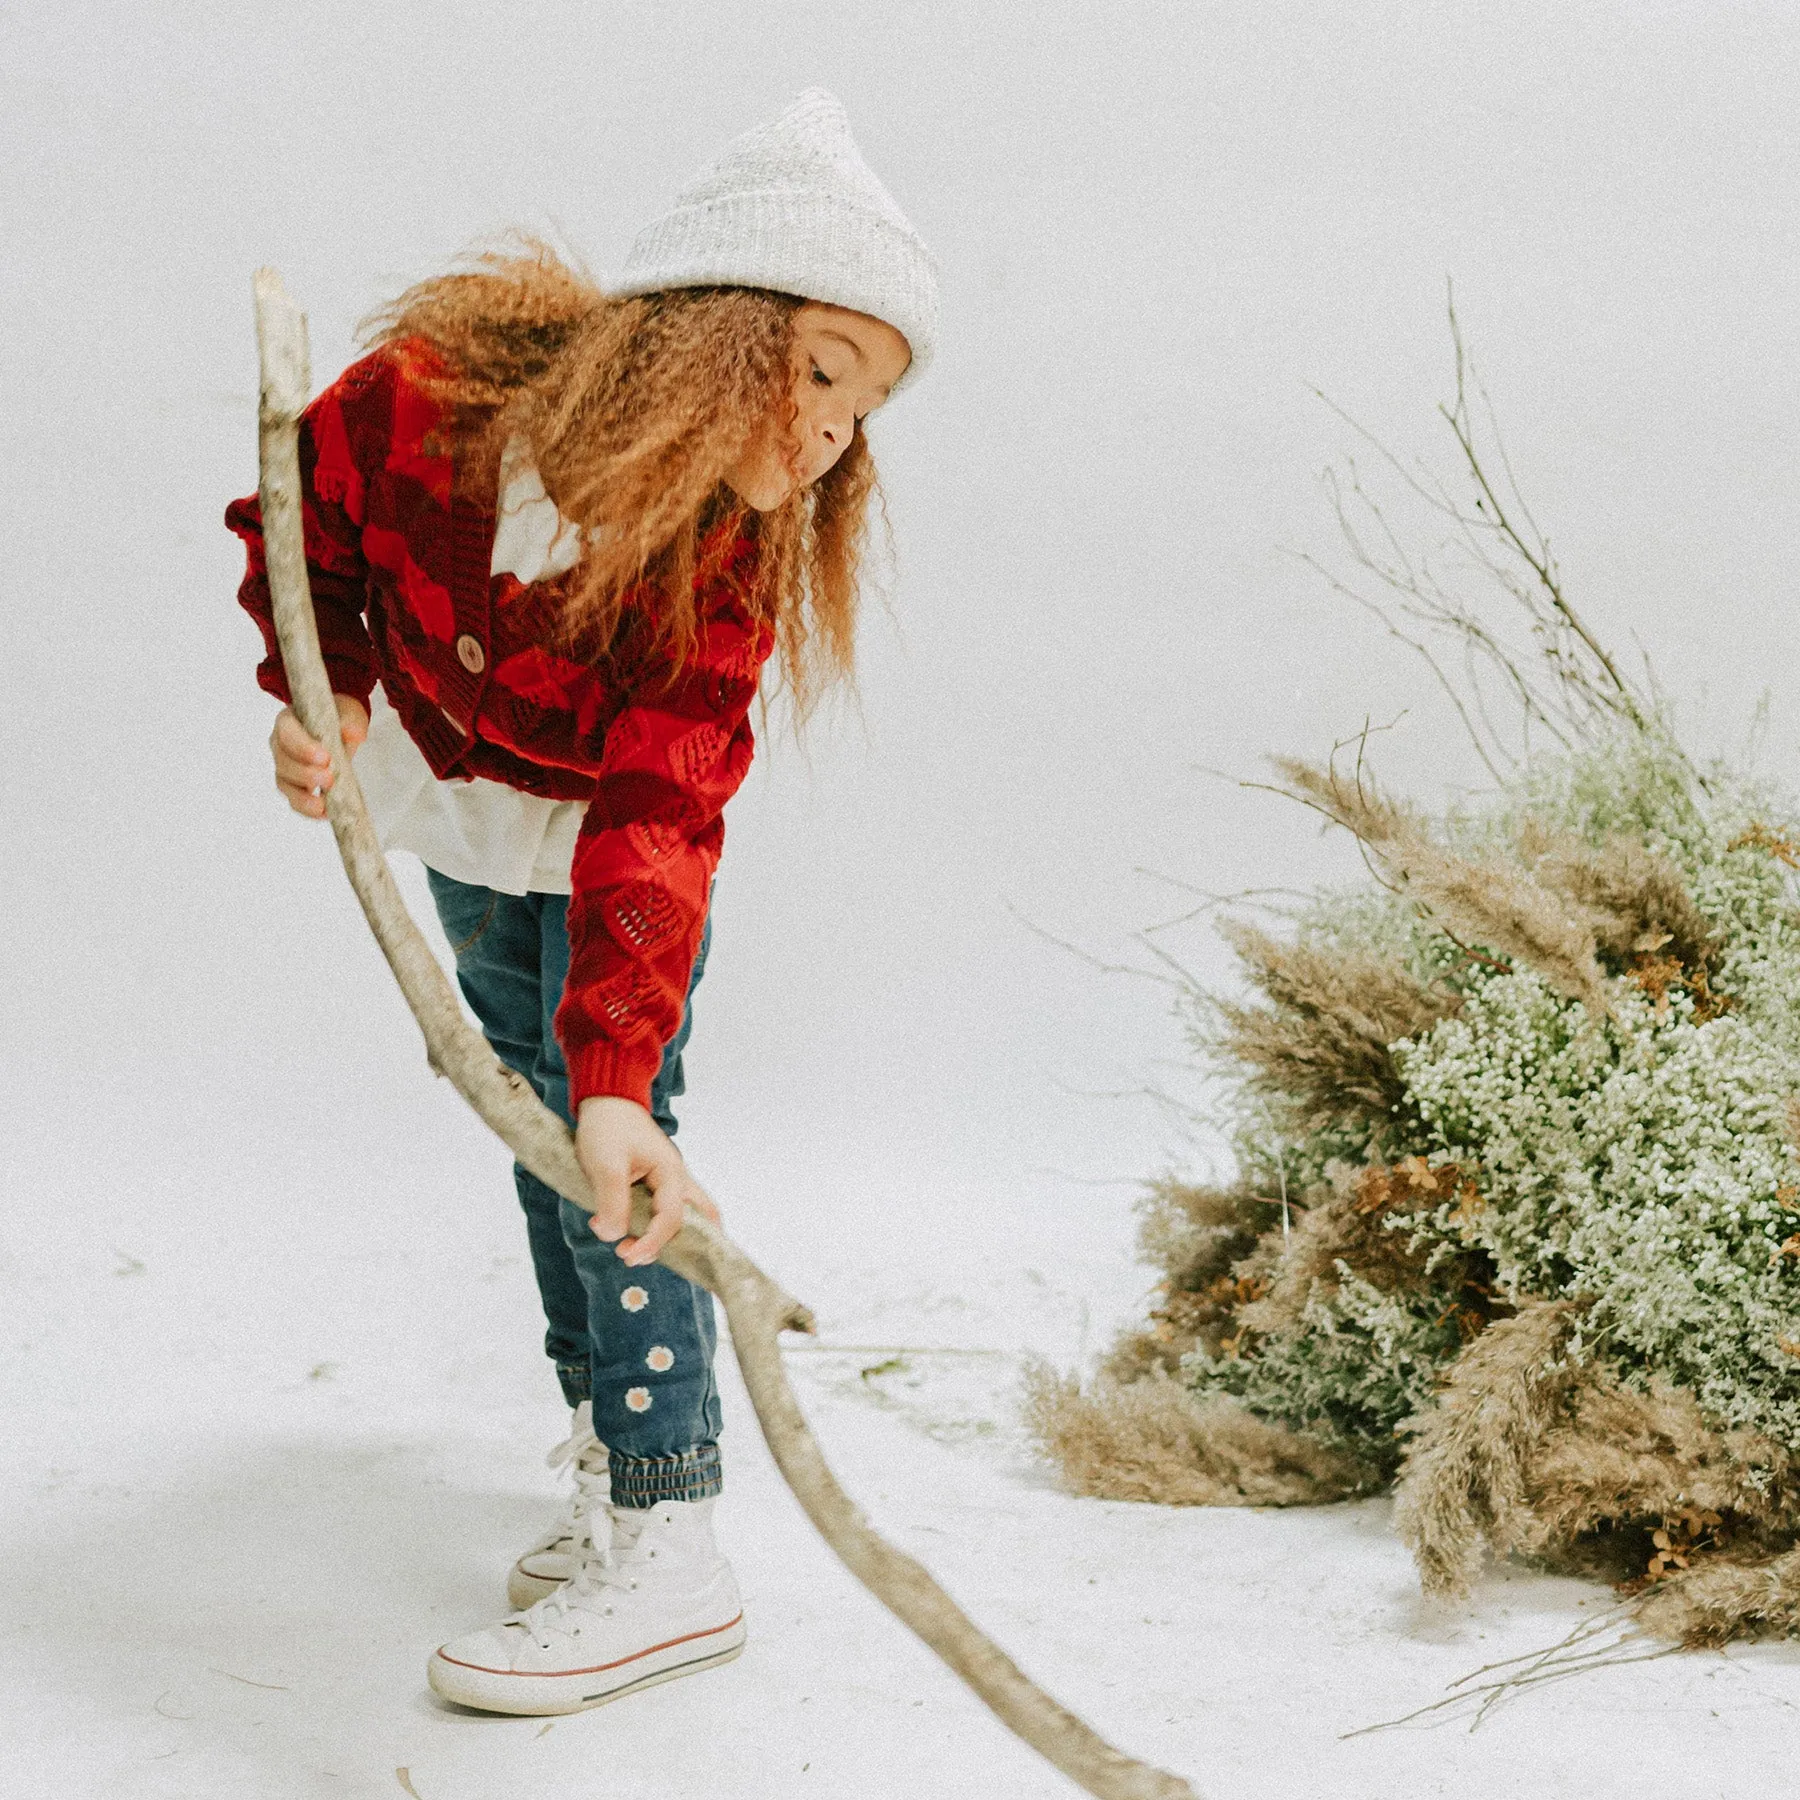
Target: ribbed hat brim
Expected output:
[812,245]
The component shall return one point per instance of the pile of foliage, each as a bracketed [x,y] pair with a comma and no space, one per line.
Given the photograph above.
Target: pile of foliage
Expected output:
[1515,1223]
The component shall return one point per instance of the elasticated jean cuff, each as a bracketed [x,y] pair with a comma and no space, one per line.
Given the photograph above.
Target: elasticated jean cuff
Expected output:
[577,1383]
[641,1481]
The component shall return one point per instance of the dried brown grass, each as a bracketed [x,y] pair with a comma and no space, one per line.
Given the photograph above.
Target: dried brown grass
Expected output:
[1636,901]
[1196,1236]
[1499,907]
[1530,1452]
[1193,1233]
[1619,1455]
[1464,1478]
[1790,1121]
[1321,1045]
[1348,1224]
[1718,1601]
[1152,1440]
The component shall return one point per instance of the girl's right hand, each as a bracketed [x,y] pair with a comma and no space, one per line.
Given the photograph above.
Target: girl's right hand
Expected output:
[618,1143]
[302,767]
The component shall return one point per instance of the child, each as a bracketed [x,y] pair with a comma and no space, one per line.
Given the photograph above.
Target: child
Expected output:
[553,536]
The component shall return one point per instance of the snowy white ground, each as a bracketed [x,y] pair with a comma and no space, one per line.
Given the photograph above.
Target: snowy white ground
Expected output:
[259,1463]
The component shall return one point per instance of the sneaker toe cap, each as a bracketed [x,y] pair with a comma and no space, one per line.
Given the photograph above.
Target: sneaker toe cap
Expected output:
[502,1649]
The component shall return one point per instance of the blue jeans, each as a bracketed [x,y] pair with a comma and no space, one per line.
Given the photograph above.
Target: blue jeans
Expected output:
[638,1343]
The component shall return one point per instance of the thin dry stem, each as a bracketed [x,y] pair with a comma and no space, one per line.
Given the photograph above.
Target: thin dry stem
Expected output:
[1562,682]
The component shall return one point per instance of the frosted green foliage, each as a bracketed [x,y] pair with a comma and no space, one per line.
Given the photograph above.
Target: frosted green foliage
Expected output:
[1639,1162]
[1630,785]
[1359,1362]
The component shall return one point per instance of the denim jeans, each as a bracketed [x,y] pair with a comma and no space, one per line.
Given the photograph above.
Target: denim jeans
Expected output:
[638,1343]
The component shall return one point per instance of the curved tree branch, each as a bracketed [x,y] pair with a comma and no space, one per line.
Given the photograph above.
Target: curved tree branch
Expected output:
[756,1307]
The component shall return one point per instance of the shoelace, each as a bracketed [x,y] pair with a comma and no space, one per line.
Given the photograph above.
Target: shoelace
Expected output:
[570,1448]
[592,1485]
[600,1567]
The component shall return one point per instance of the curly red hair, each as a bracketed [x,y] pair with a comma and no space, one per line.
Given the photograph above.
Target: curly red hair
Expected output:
[633,409]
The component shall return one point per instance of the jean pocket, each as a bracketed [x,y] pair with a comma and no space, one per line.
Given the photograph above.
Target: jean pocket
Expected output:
[464,911]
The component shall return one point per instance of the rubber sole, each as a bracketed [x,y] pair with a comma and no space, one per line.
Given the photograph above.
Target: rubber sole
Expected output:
[534,1696]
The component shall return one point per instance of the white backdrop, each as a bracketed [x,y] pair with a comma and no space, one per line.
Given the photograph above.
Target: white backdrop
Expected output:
[1158,225]
[261,1283]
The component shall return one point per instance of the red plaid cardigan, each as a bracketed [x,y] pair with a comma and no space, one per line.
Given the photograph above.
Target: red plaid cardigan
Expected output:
[399,561]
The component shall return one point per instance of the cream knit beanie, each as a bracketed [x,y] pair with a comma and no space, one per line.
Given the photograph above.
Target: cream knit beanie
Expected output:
[792,206]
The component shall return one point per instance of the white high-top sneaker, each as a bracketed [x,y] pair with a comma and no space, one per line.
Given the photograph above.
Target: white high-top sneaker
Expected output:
[554,1557]
[659,1602]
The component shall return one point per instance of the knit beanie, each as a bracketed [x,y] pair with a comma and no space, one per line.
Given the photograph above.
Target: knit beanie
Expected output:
[792,206]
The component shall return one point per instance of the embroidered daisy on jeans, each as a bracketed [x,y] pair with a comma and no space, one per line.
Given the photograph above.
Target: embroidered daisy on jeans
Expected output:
[661,1357]
[634,1299]
[638,1399]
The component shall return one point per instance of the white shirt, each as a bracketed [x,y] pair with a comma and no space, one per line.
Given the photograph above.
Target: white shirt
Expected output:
[480,831]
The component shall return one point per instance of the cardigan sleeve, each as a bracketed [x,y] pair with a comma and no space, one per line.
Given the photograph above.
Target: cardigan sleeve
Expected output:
[342,434]
[644,860]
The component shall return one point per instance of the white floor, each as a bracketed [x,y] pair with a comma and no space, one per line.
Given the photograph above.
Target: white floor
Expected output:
[272,1458]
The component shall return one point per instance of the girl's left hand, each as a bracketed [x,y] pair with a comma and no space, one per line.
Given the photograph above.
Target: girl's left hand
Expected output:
[618,1143]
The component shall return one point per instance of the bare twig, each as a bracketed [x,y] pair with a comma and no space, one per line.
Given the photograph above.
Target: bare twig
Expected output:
[1088,957]
[273,1687]
[1532,550]
[1483,749]
[1559,679]
[756,1307]
[1217,899]
[1576,1654]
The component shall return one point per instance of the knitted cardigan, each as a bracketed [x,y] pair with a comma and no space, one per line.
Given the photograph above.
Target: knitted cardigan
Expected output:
[399,561]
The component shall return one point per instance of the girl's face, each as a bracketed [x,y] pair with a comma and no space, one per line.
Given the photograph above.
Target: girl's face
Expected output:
[844,364]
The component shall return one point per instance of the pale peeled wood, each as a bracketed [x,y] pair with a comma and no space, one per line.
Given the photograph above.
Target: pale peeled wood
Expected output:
[758,1310]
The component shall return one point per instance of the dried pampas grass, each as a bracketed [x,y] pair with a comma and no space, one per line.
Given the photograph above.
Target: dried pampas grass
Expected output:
[1196,1236]
[1152,1440]
[1619,1456]
[1463,1480]
[1717,1602]
[1636,902]
[1321,1046]
[1531,1451]
[1194,1233]
[1492,906]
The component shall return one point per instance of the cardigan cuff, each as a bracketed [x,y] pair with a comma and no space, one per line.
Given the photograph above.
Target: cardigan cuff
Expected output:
[349,675]
[603,1067]
[354,677]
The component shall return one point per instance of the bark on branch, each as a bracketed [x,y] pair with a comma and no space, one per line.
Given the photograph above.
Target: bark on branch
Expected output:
[758,1310]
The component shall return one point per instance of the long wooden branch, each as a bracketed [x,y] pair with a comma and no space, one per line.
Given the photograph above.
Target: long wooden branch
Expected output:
[758,1310]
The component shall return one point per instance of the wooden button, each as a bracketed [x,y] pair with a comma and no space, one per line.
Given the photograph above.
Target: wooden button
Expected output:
[469,654]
